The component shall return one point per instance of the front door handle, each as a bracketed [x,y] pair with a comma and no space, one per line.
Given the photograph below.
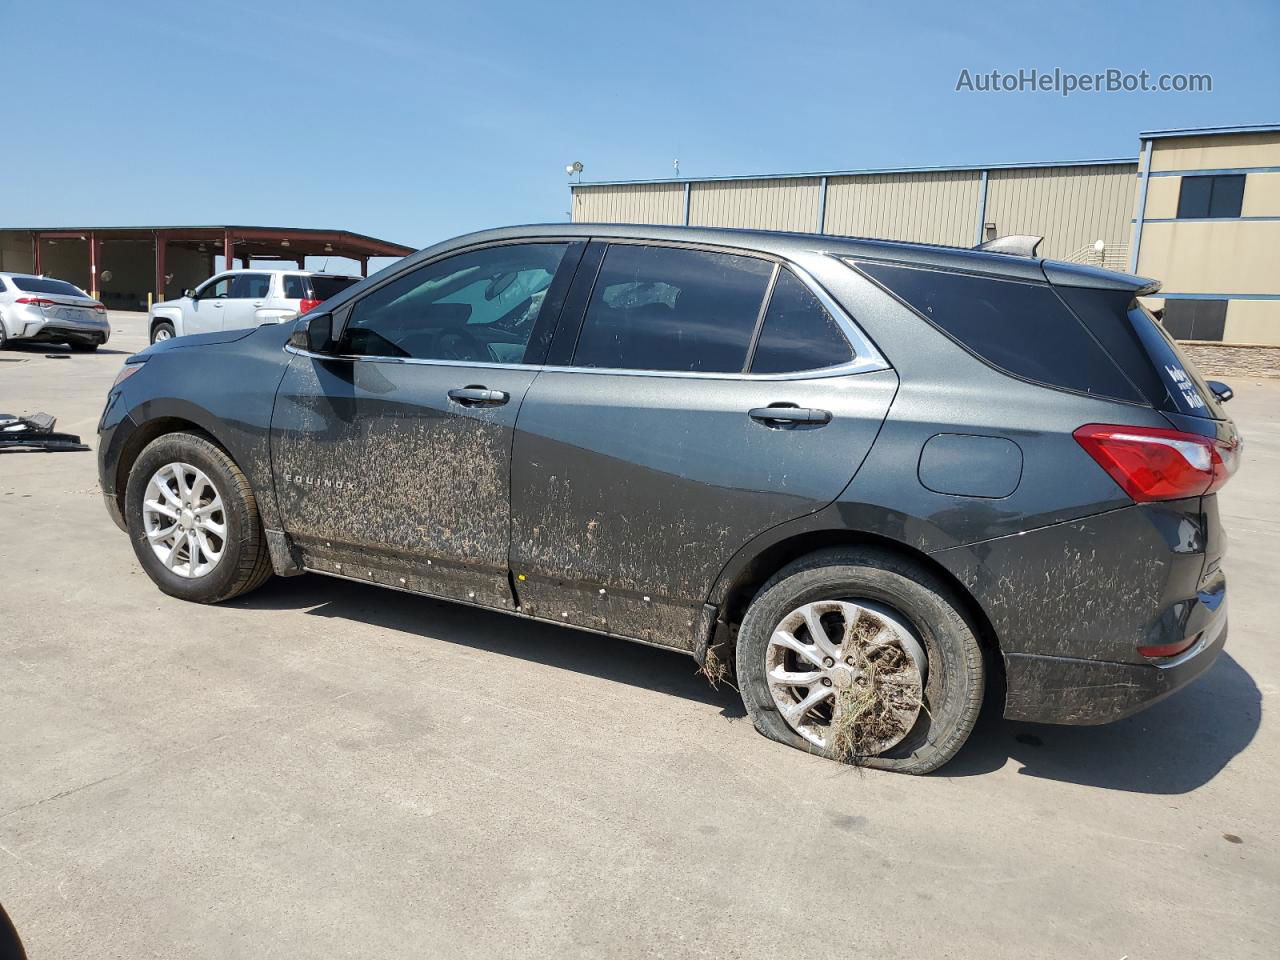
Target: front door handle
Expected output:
[477,396]
[771,416]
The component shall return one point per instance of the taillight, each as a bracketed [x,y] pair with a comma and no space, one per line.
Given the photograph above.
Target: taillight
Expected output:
[306,305]
[41,302]
[1151,463]
[100,309]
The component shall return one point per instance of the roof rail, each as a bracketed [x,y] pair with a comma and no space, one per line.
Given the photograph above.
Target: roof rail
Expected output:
[1017,245]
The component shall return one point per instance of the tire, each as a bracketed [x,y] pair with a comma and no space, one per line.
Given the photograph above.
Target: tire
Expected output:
[83,347]
[244,563]
[162,330]
[4,336]
[915,600]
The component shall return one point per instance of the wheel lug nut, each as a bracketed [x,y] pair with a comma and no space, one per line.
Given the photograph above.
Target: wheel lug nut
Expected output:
[826,681]
[849,661]
[828,662]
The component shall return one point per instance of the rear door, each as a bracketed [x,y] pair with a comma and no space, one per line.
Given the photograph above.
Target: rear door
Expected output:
[702,396]
[392,454]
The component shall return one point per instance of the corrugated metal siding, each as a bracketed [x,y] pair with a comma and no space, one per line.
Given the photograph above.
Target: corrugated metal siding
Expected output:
[783,204]
[920,207]
[1070,207]
[661,203]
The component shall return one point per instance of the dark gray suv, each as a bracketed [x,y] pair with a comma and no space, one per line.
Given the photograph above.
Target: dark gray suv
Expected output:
[864,478]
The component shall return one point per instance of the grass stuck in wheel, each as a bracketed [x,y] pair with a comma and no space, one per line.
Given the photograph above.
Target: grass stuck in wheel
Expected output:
[881,706]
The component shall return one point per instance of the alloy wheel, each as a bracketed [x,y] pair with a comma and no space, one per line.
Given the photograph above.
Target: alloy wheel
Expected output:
[184,520]
[847,675]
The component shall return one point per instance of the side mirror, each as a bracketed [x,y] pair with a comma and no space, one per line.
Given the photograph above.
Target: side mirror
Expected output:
[188,292]
[314,333]
[1221,390]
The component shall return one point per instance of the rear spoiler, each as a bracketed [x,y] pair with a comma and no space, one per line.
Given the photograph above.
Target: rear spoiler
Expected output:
[1071,274]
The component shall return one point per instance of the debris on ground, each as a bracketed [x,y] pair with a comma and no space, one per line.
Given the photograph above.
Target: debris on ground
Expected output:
[35,432]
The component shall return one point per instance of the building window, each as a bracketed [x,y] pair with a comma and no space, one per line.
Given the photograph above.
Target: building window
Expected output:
[1195,319]
[1211,196]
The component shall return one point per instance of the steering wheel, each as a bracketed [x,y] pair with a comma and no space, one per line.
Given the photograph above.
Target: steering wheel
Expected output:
[457,345]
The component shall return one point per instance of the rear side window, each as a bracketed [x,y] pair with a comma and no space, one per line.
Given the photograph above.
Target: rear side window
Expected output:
[1022,328]
[798,332]
[664,308]
[250,286]
[295,288]
[57,288]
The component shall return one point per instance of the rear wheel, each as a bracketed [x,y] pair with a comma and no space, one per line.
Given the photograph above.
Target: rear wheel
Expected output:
[863,657]
[194,521]
[162,330]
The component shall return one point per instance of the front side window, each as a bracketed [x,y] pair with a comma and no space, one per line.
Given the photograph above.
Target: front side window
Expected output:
[478,307]
[798,332]
[216,289]
[250,286]
[672,309]
[1211,196]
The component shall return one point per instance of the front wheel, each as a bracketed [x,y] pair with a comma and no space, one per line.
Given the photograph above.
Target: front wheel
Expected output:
[163,330]
[194,521]
[863,657]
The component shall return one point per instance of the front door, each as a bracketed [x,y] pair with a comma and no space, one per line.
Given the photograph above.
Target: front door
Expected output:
[710,397]
[392,457]
[207,307]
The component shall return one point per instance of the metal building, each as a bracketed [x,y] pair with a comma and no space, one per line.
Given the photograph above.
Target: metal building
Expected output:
[1217,252]
[128,268]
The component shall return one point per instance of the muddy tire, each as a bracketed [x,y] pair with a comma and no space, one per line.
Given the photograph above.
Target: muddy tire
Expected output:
[915,602]
[193,520]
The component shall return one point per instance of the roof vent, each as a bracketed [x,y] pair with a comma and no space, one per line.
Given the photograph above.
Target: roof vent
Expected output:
[1015,246]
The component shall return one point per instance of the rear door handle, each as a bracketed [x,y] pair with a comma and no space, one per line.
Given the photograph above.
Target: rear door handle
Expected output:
[775,415]
[477,396]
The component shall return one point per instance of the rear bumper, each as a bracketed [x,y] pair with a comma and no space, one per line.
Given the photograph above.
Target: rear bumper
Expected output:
[1068,690]
[65,333]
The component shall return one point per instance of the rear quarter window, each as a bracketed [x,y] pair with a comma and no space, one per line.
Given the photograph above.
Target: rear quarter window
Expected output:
[1020,327]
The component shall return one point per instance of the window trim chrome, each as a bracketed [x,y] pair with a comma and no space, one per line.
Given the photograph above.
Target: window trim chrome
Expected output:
[867,359]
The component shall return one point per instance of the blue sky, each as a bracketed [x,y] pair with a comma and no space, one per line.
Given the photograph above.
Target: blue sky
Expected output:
[418,121]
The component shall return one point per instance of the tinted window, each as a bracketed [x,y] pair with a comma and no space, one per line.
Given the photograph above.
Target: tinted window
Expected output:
[1188,393]
[1106,314]
[250,286]
[322,288]
[1022,328]
[798,333]
[661,308]
[295,288]
[215,289]
[57,288]
[479,307]
[3,288]
[1211,196]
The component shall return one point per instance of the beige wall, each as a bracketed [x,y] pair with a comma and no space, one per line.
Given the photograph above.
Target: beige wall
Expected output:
[1071,207]
[15,253]
[1252,321]
[936,207]
[1212,256]
[661,203]
[1261,195]
[1216,152]
[783,204]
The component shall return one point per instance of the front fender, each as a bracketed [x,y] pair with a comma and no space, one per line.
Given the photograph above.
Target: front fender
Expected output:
[172,314]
